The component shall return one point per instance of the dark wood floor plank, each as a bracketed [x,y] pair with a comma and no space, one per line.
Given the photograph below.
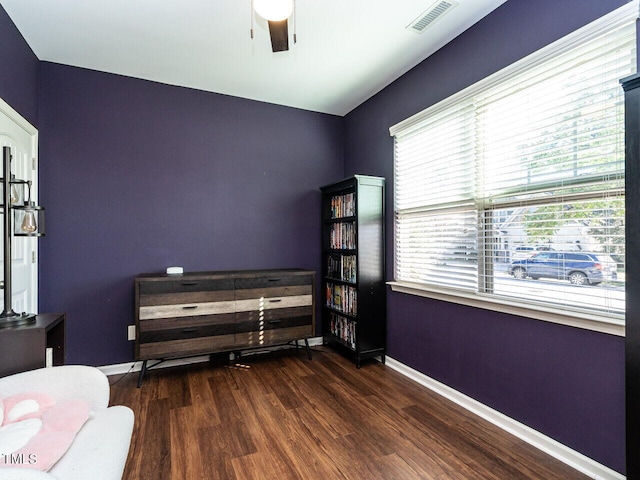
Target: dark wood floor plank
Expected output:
[184,438]
[175,389]
[217,452]
[451,440]
[326,405]
[222,385]
[152,447]
[428,463]
[265,423]
[283,387]
[382,438]
[205,412]
[396,468]
[236,438]
[280,416]
[257,466]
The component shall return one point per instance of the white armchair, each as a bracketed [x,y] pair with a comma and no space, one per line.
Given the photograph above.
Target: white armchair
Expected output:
[99,450]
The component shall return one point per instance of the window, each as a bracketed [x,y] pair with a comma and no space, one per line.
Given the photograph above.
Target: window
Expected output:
[500,186]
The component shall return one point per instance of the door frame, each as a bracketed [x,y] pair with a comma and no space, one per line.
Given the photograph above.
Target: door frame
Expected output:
[15,117]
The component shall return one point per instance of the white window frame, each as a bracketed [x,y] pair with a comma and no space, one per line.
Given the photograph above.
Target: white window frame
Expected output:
[590,320]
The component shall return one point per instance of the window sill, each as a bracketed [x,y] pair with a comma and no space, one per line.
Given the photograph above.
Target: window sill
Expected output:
[585,320]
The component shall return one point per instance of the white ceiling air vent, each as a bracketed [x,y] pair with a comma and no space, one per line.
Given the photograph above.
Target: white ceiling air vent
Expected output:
[427,18]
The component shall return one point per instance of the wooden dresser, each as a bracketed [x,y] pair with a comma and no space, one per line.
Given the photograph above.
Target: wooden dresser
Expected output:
[207,312]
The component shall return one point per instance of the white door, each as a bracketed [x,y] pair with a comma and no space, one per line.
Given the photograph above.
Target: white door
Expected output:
[22,137]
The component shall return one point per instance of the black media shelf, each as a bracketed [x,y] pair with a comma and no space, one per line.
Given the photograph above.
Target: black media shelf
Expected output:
[353,269]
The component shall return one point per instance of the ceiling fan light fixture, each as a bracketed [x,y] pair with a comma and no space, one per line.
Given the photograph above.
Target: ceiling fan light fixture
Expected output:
[274,10]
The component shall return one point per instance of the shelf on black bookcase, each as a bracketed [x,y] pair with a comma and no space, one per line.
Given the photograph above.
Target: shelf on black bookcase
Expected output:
[343,329]
[342,204]
[339,340]
[343,282]
[341,220]
[340,312]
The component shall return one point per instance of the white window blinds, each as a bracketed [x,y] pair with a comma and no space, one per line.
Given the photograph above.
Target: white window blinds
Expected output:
[527,162]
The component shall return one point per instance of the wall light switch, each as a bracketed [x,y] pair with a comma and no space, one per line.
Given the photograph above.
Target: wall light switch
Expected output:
[131,332]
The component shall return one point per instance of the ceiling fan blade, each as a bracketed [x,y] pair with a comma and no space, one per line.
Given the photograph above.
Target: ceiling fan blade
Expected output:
[279,35]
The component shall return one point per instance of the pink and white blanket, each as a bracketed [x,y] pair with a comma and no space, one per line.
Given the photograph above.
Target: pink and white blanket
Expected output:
[35,431]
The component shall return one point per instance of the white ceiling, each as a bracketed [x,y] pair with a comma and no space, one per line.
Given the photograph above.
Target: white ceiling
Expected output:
[346,50]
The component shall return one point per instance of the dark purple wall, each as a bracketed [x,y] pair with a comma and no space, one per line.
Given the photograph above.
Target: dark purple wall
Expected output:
[18,71]
[137,176]
[565,382]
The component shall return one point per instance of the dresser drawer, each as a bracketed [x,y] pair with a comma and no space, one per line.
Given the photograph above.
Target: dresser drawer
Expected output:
[186,310]
[151,299]
[176,323]
[186,347]
[291,318]
[179,329]
[268,292]
[269,303]
[273,315]
[273,281]
[184,285]
[179,336]
[274,326]
[256,338]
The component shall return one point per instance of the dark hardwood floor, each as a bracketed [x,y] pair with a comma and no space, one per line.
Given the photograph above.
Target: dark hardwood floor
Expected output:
[281,416]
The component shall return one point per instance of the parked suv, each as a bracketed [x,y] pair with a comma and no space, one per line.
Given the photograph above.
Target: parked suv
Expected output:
[580,268]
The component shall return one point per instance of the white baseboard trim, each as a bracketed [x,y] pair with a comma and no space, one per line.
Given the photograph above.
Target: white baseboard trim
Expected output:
[122,368]
[548,445]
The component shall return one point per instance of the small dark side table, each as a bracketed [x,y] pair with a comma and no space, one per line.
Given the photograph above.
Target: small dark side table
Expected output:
[36,345]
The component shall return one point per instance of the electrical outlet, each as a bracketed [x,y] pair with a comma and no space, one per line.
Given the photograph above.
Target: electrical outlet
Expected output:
[131,332]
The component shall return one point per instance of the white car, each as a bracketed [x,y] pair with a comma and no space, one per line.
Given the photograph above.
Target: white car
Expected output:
[526,251]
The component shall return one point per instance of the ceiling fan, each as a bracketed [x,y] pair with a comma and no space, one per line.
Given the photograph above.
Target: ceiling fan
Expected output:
[277,13]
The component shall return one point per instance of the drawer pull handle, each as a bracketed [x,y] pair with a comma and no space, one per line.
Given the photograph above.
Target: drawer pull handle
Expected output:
[190,307]
[189,284]
[274,279]
[275,321]
[189,330]
[275,301]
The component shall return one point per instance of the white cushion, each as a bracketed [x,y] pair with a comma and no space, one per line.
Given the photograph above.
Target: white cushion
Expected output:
[100,449]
